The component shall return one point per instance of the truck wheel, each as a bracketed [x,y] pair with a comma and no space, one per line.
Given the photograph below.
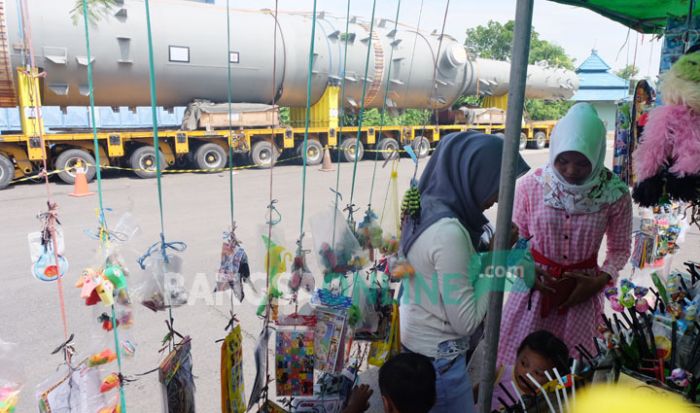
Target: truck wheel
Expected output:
[263,154]
[314,152]
[348,149]
[540,140]
[210,157]
[523,141]
[67,162]
[421,146]
[7,171]
[387,147]
[143,162]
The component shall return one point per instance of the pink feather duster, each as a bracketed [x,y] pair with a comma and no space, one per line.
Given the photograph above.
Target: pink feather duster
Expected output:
[671,134]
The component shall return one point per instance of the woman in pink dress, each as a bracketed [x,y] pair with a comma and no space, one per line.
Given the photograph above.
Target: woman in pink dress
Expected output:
[567,207]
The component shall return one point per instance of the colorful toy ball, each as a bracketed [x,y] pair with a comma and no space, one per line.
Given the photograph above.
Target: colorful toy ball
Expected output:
[615,305]
[680,377]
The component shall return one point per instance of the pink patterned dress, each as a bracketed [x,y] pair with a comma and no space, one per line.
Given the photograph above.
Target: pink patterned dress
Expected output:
[565,239]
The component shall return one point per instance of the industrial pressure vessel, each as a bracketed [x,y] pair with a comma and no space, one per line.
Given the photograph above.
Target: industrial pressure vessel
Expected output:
[268,59]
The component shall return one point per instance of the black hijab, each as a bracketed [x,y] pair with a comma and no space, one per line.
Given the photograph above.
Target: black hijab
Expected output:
[461,175]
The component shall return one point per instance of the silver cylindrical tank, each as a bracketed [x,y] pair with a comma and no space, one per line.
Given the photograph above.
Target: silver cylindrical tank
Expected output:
[190,57]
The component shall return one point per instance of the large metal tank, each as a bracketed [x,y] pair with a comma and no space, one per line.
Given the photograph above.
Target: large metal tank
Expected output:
[190,53]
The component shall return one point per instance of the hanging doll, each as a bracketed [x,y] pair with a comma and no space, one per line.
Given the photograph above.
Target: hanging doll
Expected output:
[667,161]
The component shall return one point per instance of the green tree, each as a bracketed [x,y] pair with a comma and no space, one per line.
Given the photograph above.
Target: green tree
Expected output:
[97,9]
[628,72]
[495,41]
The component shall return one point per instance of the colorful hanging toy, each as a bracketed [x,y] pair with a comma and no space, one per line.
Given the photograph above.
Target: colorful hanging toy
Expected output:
[666,161]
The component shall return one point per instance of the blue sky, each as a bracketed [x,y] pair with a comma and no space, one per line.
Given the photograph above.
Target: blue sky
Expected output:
[577,30]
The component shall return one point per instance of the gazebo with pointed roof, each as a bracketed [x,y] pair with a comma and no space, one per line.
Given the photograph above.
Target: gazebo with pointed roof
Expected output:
[600,87]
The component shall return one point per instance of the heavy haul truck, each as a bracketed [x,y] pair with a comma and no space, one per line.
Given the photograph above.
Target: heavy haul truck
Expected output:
[191,64]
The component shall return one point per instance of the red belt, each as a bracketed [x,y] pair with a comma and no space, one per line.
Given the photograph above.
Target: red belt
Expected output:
[563,287]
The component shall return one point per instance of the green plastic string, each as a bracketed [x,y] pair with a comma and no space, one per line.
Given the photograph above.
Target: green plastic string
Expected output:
[362,105]
[306,120]
[341,122]
[98,168]
[156,145]
[154,114]
[230,123]
[383,114]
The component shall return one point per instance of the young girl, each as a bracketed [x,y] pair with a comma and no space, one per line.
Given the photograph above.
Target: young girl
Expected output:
[567,207]
[440,308]
[540,352]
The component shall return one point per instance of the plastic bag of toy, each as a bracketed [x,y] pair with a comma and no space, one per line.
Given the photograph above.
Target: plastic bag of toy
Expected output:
[372,301]
[163,285]
[73,390]
[11,377]
[335,245]
[45,267]
[390,217]
[369,233]
[277,263]
[175,376]
[381,351]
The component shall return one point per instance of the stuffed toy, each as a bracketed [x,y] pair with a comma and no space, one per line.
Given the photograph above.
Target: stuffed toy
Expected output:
[667,161]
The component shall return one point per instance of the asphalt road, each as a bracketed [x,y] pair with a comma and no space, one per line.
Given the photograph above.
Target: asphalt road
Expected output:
[196,211]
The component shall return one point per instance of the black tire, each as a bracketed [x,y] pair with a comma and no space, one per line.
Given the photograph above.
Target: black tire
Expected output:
[540,141]
[7,171]
[314,152]
[69,159]
[347,150]
[421,146]
[210,157]
[263,154]
[387,146]
[143,162]
[523,141]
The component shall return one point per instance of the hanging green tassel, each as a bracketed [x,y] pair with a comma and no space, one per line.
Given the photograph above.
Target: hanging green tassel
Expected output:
[410,207]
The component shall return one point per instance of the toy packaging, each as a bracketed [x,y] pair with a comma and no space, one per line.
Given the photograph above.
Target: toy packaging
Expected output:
[175,375]
[294,361]
[233,269]
[232,390]
[329,338]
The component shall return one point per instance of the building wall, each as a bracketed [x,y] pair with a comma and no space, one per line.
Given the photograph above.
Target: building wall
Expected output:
[606,111]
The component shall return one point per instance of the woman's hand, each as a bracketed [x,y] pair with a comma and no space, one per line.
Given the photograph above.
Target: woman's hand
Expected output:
[540,280]
[514,236]
[586,287]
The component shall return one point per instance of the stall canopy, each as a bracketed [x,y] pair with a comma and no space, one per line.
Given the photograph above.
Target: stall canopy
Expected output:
[645,16]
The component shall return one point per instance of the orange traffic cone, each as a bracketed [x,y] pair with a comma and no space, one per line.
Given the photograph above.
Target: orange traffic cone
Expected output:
[81,185]
[327,165]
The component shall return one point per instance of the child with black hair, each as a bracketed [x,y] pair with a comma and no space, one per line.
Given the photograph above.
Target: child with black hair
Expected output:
[538,353]
[406,383]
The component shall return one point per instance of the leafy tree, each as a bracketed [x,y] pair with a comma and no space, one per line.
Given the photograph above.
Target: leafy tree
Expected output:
[628,72]
[97,9]
[495,41]
[373,117]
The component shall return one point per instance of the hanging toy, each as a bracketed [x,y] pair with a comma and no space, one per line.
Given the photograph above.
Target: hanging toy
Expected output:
[402,269]
[115,275]
[641,305]
[233,268]
[666,161]
[104,357]
[369,233]
[106,321]
[301,275]
[410,207]
[110,382]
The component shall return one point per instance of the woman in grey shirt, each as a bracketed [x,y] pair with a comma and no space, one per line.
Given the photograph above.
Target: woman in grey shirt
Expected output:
[440,307]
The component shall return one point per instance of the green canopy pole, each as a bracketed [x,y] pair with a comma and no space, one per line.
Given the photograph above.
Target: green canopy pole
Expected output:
[506,191]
